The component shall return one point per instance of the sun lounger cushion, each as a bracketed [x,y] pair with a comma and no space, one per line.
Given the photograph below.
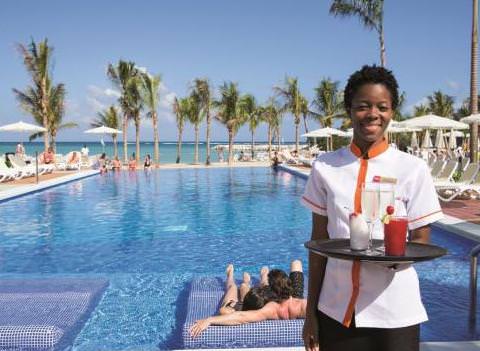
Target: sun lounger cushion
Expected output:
[45,314]
[204,301]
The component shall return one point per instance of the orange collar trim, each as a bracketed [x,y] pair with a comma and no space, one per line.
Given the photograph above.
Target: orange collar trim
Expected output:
[374,151]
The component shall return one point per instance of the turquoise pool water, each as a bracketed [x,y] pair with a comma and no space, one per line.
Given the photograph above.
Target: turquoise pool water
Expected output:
[151,233]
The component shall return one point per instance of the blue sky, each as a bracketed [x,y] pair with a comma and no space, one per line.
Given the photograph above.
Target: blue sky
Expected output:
[252,42]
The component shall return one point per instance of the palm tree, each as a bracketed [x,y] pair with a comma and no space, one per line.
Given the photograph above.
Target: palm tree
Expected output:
[370,13]
[251,111]
[181,108]
[305,112]
[441,104]
[473,83]
[202,88]
[120,75]
[36,59]
[109,118]
[135,106]
[421,110]
[290,93]
[230,113]
[30,101]
[151,97]
[195,116]
[272,115]
[328,102]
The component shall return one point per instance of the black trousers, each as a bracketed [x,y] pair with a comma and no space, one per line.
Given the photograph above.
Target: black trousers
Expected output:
[335,337]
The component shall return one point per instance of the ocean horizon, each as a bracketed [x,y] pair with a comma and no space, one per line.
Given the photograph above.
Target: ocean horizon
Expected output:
[168,149]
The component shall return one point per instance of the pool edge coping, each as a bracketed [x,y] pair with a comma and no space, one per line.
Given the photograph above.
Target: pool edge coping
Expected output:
[23,190]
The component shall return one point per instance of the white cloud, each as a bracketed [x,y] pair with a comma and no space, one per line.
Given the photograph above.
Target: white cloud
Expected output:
[453,85]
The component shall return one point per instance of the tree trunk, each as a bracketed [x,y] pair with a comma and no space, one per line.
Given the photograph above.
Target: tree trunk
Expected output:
[278,138]
[115,146]
[156,151]
[53,138]
[473,84]
[253,144]
[45,113]
[209,122]
[125,145]
[383,59]
[305,123]
[179,146]
[297,122]
[137,139]
[269,136]
[195,155]
[230,146]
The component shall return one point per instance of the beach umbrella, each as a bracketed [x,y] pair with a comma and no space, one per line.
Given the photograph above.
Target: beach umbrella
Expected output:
[427,142]
[414,140]
[22,127]
[433,122]
[103,130]
[471,119]
[439,140]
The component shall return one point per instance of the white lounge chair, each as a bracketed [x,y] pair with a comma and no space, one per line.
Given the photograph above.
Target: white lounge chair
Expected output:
[7,173]
[448,194]
[446,174]
[437,167]
[467,177]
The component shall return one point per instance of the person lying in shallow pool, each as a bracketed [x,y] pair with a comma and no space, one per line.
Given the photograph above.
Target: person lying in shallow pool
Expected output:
[277,297]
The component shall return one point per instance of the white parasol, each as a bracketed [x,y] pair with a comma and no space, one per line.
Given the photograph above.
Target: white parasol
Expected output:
[22,127]
[427,142]
[103,130]
[439,140]
[433,122]
[471,119]
[414,140]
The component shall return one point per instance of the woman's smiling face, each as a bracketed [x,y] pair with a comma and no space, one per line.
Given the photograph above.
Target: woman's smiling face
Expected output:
[371,112]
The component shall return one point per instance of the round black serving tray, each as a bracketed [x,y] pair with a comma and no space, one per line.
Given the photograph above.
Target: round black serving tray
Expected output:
[340,248]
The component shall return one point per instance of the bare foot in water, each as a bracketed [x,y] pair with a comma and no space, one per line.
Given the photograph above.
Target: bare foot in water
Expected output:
[264,276]
[229,273]
[246,278]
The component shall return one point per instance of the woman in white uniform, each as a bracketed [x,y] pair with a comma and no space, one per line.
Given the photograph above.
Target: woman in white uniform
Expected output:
[366,306]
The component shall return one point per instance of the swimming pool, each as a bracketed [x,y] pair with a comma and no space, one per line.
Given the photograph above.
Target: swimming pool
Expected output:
[150,233]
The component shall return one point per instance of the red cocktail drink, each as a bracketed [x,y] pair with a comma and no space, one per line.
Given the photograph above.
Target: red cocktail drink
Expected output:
[395,236]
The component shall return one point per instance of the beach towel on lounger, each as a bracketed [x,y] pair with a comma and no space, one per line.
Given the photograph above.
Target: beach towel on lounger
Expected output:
[204,301]
[45,314]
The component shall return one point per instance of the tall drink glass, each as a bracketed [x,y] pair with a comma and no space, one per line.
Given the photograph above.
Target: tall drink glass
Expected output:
[395,236]
[370,207]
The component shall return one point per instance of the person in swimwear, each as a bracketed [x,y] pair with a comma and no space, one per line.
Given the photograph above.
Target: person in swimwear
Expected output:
[277,297]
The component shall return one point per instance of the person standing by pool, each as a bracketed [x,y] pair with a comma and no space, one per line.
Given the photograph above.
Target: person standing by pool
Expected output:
[147,163]
[366,306]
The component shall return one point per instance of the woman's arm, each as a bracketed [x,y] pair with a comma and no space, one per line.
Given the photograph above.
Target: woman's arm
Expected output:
[316,271]
[269,311]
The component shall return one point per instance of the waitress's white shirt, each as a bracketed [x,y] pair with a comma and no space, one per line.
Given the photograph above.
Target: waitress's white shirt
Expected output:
[387,298]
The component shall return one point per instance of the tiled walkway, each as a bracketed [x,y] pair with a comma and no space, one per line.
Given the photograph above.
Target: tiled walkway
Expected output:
[468,210]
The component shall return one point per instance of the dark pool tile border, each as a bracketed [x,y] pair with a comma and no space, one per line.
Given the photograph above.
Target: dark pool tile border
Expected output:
[20,191]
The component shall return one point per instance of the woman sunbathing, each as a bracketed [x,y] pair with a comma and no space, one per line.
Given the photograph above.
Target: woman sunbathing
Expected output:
[273,299]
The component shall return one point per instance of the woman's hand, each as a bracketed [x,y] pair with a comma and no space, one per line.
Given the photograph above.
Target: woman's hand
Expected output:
[311,333]
[199,326]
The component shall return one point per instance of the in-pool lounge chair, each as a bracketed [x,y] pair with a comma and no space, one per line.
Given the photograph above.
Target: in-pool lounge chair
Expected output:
[45,314]
[204,300]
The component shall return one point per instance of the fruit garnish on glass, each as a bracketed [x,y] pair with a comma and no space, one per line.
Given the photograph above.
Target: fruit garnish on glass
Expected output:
[390,210]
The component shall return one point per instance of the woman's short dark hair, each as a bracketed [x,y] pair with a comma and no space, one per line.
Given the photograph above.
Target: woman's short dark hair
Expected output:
[256,298]
[280,284]
[370,75]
